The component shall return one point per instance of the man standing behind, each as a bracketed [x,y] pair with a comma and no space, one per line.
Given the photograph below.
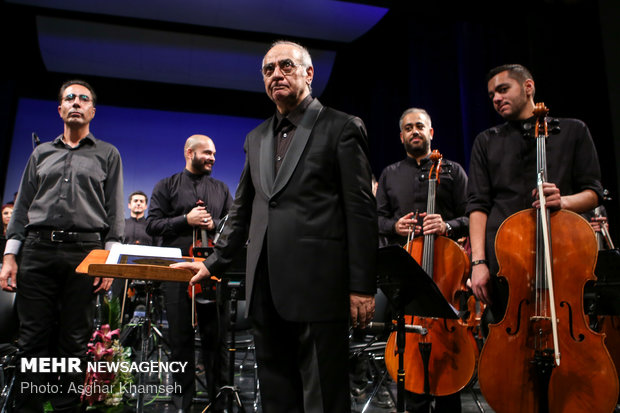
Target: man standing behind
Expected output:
[135,225]
[305,206]
[175,213]
[135,233]
[403,189]
[70,201]
[502,174]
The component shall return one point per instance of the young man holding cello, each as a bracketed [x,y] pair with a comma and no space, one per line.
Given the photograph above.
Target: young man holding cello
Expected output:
[403,190]
[529,179]
[502,174]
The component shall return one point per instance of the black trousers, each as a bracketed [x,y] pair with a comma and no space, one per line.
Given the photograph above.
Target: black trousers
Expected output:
[302,367]
[55,307]
[213,324]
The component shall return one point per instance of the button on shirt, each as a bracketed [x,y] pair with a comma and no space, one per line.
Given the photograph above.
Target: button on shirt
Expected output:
[70,188]
[285,128]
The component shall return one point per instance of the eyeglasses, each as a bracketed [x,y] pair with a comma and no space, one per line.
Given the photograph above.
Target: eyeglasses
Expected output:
[287,66]
[71,97]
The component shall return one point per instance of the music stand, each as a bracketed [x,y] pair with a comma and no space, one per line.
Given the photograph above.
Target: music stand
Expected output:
[94,266]
[406,285]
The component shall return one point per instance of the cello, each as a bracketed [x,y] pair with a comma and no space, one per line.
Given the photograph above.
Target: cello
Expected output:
[442,361]
[542,357]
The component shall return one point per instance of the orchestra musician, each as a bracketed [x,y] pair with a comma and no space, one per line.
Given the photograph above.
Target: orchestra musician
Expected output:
[502,175]
[305,203]
[174,215]
[70,201]
[402,190]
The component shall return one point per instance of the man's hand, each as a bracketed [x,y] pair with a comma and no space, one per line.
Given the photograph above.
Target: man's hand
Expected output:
[433,224]
[406,224]
[198,268]
[552,197]
[481,283]
[102,284]
[362,309]
[8,275]
[199,217]
[597,222]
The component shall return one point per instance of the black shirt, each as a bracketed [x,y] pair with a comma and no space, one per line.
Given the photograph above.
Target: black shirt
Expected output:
[135,232]
[502,173]
[403,188]
[175,196]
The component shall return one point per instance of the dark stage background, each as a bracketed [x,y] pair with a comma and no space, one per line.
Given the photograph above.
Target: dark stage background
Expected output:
[433,56]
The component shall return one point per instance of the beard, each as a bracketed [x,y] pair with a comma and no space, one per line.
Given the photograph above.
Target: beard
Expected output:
[418,150]
[201,166]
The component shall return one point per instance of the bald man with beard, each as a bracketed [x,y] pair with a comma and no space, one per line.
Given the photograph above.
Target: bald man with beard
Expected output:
[173,216]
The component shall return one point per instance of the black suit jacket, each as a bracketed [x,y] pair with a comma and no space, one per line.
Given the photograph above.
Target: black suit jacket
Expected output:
[316,218]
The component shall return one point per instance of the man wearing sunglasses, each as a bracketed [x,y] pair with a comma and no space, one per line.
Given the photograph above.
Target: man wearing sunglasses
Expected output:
[70,201]
[305,203]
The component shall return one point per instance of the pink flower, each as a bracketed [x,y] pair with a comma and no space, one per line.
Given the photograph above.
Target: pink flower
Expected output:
[105,334]
[99,350]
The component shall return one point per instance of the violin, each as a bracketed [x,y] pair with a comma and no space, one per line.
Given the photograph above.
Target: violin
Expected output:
[201,245]
[442,361]
[542,357]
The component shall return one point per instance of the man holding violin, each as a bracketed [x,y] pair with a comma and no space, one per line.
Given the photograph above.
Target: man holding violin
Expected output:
[182,204]
[402,190]
[502,174]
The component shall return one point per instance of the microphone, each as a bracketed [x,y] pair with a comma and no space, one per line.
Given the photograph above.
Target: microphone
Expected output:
[35,140]
[220,229]
[378,327]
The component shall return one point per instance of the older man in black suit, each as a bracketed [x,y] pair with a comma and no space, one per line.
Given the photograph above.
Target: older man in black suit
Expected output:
[305,204]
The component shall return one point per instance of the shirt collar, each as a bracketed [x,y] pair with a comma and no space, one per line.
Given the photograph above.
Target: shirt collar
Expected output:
[296,114]
[414,162]
[86,140]
[191,175]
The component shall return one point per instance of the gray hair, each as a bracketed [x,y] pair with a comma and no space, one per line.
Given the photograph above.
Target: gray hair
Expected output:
[306,60]
[414,110]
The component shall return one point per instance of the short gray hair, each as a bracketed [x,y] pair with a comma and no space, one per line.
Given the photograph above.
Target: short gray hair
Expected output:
[414,110]
[306,60]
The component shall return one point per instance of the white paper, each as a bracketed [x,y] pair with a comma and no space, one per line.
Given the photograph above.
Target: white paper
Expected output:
[143,250]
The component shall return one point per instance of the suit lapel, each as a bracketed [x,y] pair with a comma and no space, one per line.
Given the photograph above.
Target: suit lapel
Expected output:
[302,134]
[267,147]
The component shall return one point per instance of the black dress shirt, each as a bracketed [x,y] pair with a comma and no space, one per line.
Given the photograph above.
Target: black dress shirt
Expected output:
[502,173]
[71,189]
[135,232]
[175,196]
[403,188]
[285,127]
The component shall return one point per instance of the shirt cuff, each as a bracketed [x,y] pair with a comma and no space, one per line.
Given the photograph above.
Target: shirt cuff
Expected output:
[110,244]
[12,246]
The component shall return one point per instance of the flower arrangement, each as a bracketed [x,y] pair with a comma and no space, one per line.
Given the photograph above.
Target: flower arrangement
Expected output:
[104,390]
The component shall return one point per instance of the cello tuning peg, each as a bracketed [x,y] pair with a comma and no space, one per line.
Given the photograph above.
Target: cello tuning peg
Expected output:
[526,128]
[555,130]
[553,122]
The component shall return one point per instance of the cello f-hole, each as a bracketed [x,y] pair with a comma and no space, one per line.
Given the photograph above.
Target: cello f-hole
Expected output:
[580,337]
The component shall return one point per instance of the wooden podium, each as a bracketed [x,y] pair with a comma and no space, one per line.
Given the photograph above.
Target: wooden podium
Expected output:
[94,265]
